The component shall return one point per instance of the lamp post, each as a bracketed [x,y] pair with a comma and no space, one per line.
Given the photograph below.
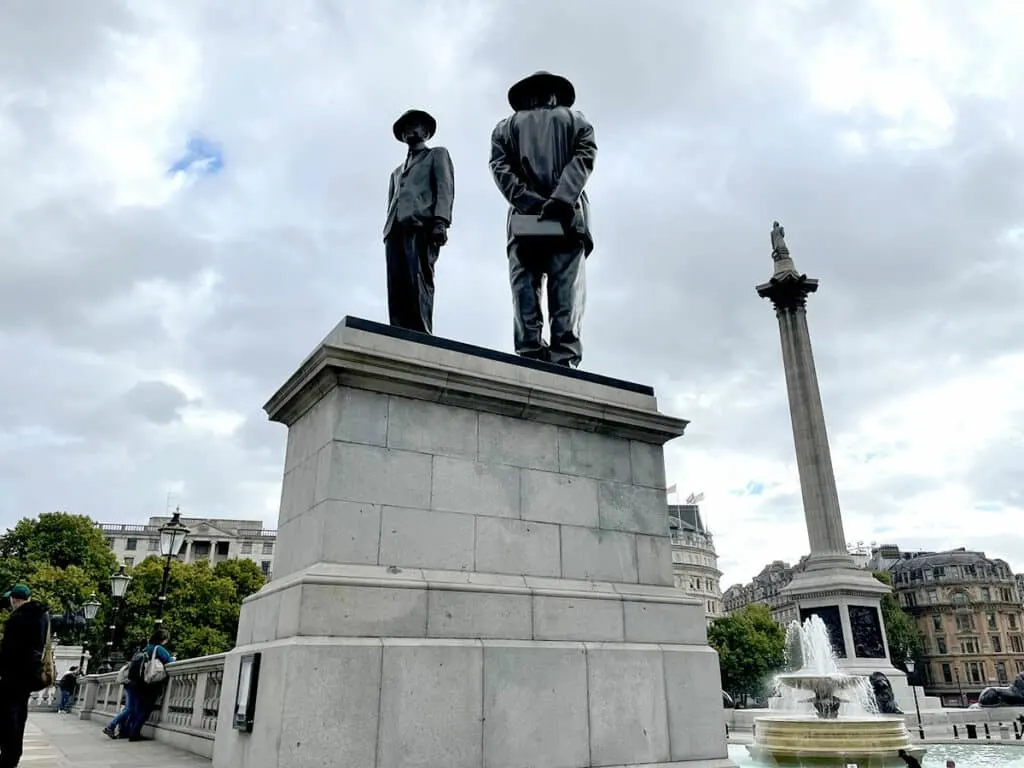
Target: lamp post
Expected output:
[118,587]
[89,609]
[956,671]
[172,538]
[909,664]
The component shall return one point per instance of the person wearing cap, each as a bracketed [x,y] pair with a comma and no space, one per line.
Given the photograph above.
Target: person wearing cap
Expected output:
[541,158]
[21,659]
[421,195]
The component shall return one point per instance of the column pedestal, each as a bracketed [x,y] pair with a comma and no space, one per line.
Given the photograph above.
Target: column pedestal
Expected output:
[473,569]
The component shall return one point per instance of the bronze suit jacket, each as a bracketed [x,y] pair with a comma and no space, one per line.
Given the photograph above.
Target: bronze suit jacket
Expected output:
[543,153]
[422,192]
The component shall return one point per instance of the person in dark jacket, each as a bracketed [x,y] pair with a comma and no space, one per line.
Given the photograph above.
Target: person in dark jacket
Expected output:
[67,683]
[143,696]
[21,659]
[420,199]
[541,159]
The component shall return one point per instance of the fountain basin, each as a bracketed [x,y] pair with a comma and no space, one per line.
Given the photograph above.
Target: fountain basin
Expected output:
[867,742]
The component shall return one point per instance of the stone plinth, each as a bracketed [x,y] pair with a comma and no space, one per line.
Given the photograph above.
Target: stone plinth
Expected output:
[473,569]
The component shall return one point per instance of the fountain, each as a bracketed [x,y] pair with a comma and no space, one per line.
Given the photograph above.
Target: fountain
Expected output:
[838,724]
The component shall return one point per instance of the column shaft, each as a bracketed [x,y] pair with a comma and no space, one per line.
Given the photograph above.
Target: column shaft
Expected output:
[814,459]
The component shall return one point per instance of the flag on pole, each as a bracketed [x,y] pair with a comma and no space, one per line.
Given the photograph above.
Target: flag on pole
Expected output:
[671,489]
[694,498]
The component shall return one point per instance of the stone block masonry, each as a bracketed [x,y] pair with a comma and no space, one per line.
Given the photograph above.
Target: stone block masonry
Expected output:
[473,569]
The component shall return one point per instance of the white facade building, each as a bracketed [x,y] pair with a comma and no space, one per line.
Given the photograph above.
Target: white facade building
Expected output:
[694,560]
[214,540]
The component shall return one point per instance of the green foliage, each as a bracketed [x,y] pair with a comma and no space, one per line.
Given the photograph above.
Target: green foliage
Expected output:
[61,540]
[246,575]
[202,603]
[751,648]
[65,559]
[905,640]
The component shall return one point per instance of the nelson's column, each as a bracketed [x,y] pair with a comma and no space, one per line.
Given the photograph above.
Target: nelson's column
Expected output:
[847,598]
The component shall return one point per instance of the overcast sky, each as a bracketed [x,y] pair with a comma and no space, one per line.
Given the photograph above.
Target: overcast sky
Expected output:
[192,194]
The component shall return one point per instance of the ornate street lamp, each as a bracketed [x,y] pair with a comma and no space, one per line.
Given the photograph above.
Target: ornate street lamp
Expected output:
[909,664]
[89,610]
[118,587]
[172,539]
[91,607]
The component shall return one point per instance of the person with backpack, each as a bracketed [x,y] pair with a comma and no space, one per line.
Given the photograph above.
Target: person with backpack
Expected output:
[118,727]
[67,684]
[146,682]
[23,669]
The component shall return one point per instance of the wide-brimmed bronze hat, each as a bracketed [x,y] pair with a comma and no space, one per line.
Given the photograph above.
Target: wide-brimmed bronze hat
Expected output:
[541,82]
[414,114]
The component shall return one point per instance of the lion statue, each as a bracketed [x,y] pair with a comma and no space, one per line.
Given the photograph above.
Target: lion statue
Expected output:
[1004,696]
[884,696]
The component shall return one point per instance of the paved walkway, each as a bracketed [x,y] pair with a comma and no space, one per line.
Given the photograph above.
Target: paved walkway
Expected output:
[64,741]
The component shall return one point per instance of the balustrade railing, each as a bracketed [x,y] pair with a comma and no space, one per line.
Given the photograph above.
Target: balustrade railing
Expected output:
[188,706]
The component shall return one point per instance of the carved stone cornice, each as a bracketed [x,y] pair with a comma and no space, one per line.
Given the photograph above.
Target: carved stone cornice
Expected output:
[788,291]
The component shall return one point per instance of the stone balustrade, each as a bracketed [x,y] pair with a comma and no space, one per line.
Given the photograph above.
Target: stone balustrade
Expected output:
[186,716]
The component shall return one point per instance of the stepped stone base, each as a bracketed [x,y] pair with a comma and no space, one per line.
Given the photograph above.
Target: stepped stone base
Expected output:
[473,570]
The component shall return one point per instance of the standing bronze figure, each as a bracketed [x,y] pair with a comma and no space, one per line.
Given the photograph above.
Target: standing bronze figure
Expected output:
[420,200]
[541,158]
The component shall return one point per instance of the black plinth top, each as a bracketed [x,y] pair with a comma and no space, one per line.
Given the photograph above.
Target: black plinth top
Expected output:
[359,324]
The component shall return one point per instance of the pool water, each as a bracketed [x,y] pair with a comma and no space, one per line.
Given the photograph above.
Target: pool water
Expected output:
[965,755]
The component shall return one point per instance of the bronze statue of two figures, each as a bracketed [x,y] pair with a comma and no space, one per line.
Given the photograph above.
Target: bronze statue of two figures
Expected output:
[541,158]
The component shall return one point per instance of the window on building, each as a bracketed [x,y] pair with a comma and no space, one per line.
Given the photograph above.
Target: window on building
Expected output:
[909,600]
[268,548]
[997,644]
[940,643]
[968,645]
[959,597]
[131,544]
[110,541]
[990,619]
[986,595]
[247,549]
[223,547]
[1011,620]
[933,596]
[1020,666]
[947,673]
[937,621]
[265,567]
[1001,671]
[129,562]
[1006,595]
[153,545]
[677,557]
[1016,644]
[965,622]
[939,571]
[975,671]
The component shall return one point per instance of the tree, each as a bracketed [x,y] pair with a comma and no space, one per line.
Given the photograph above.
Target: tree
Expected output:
[246,575]
[61,540]
[65,559]
[751,648]
[202,603]
[905,641]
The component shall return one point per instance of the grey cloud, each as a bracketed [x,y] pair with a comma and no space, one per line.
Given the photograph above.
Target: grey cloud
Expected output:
[155,401]
[706,134]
